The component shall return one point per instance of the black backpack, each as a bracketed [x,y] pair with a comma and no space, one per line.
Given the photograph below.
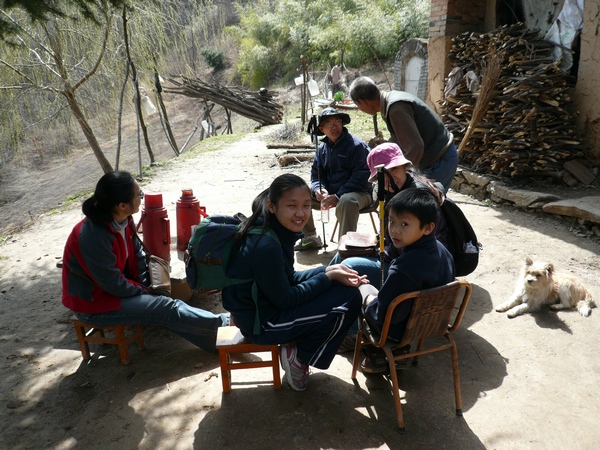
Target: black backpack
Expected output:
[462,242]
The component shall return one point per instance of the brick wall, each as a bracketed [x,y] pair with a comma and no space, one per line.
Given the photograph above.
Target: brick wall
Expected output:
[451,17]
[447,19]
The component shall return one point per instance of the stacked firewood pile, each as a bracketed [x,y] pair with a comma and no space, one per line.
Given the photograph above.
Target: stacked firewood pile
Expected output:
[525,126]
[256,105]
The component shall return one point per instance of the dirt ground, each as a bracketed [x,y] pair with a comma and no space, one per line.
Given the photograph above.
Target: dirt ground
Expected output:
[529,382]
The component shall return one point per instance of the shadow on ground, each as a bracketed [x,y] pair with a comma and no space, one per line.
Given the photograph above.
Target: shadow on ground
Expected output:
[333,413]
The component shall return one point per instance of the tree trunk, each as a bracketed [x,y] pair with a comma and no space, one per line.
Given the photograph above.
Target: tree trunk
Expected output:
[137,99]
[68,91]
[87,131]
[120,119]
[163,112]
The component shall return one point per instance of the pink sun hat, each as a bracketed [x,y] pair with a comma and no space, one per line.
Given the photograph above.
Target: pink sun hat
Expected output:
[388,154]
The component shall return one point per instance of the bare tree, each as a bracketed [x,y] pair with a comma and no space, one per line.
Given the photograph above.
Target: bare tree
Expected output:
[40,10]
[46,51]
[68,56]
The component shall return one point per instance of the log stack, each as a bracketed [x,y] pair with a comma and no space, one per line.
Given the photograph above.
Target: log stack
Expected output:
[256,105]
[528,128]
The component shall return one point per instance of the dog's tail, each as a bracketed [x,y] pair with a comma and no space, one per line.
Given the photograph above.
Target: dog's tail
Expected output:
[585,306]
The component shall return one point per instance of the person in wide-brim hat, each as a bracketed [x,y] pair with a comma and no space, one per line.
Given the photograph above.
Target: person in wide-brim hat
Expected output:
[338,177]
[328,112]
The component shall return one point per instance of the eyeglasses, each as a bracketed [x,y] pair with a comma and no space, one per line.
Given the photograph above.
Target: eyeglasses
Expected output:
[331,123]
[141,195]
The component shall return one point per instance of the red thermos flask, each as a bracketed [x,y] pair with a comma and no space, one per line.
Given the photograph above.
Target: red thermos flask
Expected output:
[156,226]
[188,212]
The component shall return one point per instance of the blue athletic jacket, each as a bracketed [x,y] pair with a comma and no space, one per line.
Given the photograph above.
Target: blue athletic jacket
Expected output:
[280,287]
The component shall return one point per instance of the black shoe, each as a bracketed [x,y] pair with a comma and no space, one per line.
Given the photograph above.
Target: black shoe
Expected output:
[374,362]
[348,344]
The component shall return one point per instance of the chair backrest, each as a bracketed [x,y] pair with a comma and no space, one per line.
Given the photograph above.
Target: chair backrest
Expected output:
[431,312]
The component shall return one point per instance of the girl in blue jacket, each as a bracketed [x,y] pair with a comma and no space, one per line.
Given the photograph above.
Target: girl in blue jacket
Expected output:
[309,312]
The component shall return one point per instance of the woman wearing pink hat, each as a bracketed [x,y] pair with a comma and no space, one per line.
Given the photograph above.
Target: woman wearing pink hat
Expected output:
[400,175]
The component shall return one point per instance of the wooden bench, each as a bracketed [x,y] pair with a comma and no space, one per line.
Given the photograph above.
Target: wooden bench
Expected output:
[89,333]
[231,341]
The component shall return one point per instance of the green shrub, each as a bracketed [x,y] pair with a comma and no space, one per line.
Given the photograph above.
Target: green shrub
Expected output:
[256,66]
[323,31]
[215,58]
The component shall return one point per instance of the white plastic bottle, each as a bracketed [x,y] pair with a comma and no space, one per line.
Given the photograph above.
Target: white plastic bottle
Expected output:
[324,214]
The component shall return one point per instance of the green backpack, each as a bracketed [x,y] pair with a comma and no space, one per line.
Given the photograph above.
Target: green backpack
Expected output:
[209,251]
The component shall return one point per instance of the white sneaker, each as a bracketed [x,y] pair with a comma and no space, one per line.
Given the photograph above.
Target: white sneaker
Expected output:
[309,243]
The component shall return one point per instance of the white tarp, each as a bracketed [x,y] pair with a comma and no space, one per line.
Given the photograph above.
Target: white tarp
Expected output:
[564,31]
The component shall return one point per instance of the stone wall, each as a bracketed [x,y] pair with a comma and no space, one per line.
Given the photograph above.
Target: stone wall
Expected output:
[584,208]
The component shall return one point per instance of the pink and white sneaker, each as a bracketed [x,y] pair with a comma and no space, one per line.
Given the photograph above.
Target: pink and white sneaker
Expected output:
[296,372]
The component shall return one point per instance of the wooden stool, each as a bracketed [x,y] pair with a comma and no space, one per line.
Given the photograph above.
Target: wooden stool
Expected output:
[96,334]
[229,341]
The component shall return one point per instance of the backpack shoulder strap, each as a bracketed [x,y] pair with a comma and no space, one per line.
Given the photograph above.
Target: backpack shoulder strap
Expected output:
[268,232]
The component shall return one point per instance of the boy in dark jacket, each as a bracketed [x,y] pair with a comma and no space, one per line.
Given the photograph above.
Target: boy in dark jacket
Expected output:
[424,263]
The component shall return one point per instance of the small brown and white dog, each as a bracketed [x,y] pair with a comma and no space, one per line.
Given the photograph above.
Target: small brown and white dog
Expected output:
[539,284]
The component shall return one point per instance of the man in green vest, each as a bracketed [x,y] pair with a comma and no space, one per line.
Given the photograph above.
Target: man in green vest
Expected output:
[414,126]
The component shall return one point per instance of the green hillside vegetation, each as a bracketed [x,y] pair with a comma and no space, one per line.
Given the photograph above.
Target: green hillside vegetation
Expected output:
[67,76]
[273,35]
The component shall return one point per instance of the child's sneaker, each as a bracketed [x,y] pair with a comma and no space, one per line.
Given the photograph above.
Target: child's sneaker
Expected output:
[296,372]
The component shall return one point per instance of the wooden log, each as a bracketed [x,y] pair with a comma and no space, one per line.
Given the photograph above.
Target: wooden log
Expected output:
[286,160]
[291,146]
[258,106]
[579,171]
[529,121]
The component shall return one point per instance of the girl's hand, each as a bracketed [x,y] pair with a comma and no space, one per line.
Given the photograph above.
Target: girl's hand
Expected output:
[341,267]
[345,275]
